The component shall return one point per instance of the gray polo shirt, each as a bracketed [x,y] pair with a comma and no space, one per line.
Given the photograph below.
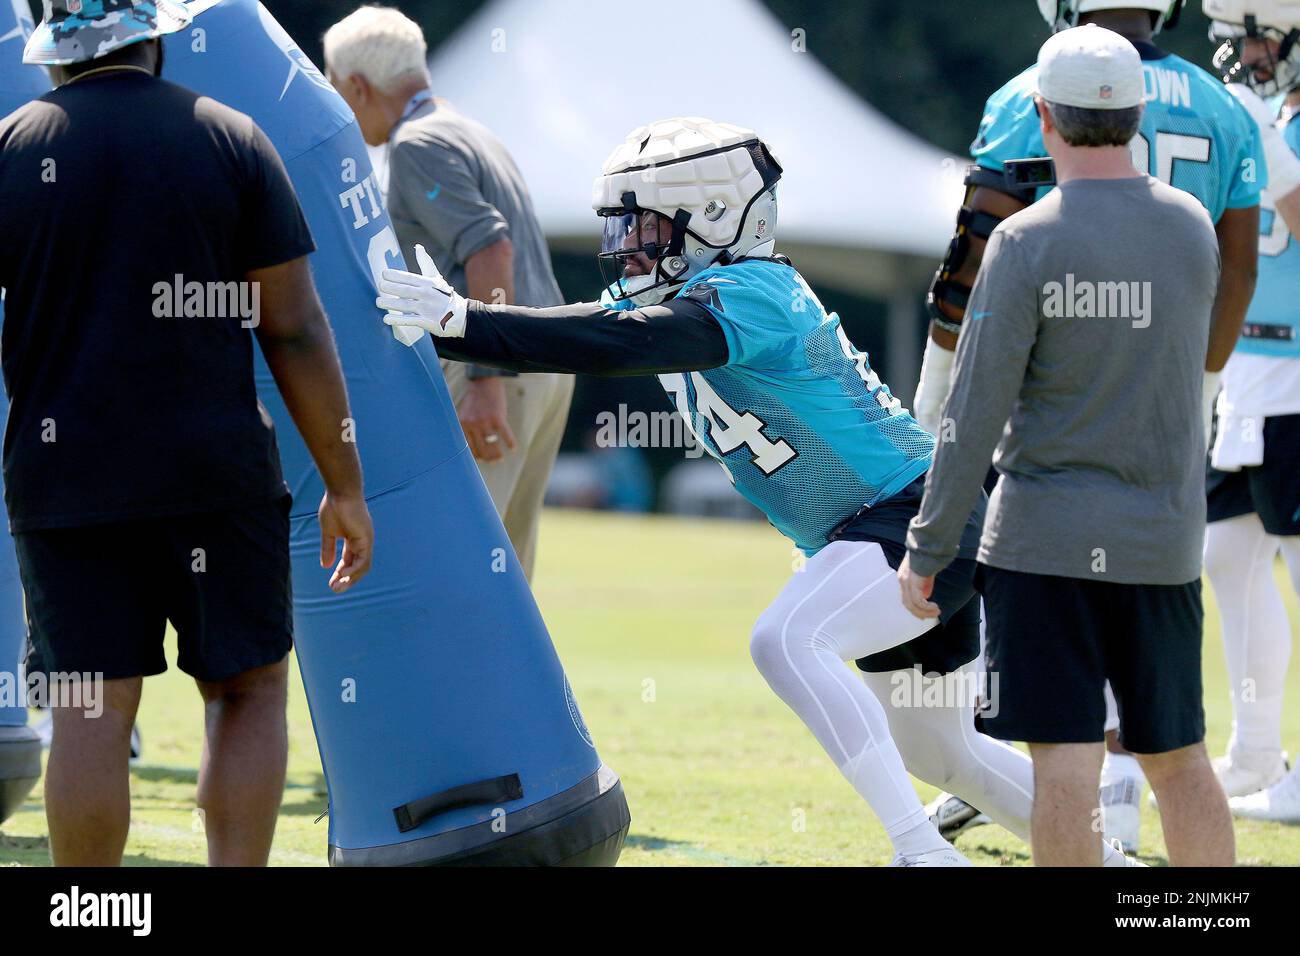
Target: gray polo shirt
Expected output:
[455,189]
[1081,360]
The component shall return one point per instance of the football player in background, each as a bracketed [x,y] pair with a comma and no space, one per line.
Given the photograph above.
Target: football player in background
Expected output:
[770,385]
[1253,488]
[1194,137]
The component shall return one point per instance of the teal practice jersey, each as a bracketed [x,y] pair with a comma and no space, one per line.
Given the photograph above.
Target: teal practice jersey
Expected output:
[1272,322]
[804,427]
[1194,135]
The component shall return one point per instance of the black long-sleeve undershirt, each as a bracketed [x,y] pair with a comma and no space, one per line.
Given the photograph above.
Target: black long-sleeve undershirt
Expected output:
[587,338]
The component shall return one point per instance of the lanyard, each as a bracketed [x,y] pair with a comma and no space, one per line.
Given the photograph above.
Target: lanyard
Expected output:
[413,104]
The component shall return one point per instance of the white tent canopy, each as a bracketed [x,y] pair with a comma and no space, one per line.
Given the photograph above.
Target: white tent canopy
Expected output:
[563,81]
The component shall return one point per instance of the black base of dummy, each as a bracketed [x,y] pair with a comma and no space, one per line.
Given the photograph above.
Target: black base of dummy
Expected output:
[583,826]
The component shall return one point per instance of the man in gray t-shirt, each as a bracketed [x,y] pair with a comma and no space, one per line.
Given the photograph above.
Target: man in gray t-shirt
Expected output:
[1087,333]
[454,189]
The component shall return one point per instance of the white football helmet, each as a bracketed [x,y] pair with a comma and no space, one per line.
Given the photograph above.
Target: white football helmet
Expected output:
[1234,21]
[1064,14]
[685,193]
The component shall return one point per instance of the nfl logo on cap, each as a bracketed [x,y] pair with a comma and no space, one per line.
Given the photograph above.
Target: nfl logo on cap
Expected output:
[1090,68]
[74,6]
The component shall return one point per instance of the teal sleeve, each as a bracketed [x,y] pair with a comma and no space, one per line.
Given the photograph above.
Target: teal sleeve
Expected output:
[755,318]
[1009,128]
[1250,169]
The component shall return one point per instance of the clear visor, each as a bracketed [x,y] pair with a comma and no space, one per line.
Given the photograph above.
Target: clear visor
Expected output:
[648,233]
[632,246]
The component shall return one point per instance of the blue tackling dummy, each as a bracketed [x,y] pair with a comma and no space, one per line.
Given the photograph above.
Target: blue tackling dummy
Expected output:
[446,726]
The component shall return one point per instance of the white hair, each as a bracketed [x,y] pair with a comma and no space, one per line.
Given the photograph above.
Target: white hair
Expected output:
[380,43]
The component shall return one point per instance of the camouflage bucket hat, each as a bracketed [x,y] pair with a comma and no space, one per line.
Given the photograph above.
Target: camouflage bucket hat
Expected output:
[74,31]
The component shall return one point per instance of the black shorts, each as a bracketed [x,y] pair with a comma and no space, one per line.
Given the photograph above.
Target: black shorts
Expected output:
[1053,642]
[955,640]
[1270,490]
[99,597]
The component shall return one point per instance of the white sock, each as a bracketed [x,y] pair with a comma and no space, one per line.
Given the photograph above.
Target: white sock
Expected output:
[1239,557]
[922,838]
[1116,766]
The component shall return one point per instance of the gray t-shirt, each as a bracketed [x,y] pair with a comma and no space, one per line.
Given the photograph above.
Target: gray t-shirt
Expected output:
[455,189]
[1082,359]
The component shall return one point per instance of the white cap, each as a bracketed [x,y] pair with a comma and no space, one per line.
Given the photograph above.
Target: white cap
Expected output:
[1092,68]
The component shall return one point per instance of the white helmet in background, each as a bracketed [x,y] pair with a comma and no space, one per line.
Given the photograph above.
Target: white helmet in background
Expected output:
[687,193]
[1262,20]
[1064,14]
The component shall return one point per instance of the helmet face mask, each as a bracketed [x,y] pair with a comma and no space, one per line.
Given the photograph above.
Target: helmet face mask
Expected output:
[1265,56]
[1064,14]
[637,258]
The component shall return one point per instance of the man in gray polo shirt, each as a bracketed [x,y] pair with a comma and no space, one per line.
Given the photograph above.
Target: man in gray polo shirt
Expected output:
[454,189]
[1087,333]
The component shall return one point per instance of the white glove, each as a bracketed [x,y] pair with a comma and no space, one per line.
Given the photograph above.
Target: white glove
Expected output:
[422,301]
[932,389]
[1209,392]
[1283,164]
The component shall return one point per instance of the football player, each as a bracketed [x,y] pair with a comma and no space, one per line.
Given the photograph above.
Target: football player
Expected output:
[1253,489]
[1194,137]
[770,386]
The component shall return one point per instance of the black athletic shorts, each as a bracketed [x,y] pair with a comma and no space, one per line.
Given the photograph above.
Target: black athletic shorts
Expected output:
[1053,642]
[99,597]
[955,640]
[1270,490]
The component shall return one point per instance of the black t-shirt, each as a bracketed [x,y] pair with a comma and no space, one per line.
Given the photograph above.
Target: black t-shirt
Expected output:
[115,190]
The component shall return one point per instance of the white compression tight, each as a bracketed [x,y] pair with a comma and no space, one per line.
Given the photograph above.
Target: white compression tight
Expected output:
[845,605]
[1239,558]
[941,746]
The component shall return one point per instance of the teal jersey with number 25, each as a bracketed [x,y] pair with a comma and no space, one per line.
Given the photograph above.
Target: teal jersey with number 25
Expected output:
[1273,309]
[1194,135]
[798,419]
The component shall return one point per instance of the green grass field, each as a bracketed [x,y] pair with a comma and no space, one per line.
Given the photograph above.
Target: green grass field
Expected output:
[651,617]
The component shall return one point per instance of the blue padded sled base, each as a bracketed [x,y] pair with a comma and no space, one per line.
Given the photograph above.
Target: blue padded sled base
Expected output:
[583,826]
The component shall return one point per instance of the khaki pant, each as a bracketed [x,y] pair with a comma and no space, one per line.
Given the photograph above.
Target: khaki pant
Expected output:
[537,408]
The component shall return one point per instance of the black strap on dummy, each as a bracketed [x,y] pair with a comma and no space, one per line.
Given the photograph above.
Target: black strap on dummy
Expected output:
[493,790]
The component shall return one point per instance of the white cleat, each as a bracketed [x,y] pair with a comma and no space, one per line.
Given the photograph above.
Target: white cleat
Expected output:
[1280,802]
[944,857]
[1121,812]
[953,816]
[1112,854]
[1249,771]
[1244,772]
